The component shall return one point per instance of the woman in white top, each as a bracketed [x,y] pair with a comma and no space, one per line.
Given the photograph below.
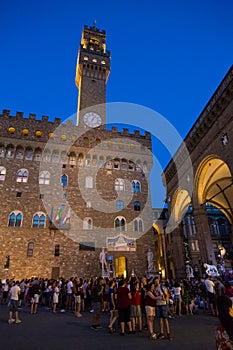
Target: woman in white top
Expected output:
[177,298]
[55,296]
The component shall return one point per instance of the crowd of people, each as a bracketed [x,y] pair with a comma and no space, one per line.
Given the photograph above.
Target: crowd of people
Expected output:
[132,304]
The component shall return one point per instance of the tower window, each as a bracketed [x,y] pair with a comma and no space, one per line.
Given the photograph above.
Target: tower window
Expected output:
[120,205]
[44,178]
[39,220]
[15,219]
[18,194]
[57,250]
[89,182]
[120,224]
[2,173]
[85,58]
[138,225]
[136,187]
[103,62]
[22,175]
[137,206]
[119,185]
[94,60]
[30,249]
[28,153]
[64,180]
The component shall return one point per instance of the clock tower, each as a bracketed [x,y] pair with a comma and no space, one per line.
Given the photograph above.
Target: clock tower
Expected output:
[93,67]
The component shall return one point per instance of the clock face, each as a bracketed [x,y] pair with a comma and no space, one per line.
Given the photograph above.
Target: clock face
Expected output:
[92,119]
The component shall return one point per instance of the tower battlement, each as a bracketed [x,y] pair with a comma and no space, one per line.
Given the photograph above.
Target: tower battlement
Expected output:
[41,130]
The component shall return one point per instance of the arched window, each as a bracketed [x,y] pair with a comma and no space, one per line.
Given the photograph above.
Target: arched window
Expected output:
[15,219]
[119,185]
[72,158]
[120,224]
[189,227]
[89,182]
[119,205]
[44,178]
[19,152]
[131,166]
[80,159]
[55,157]
[136,186]
[30,249]
[63,157]
[116,163]
[38,154]
[94,160]
[22,175]
[39,220]
[28,153]
[222,226]
[47,156]
[124,164]
[137,206]
[101,161]
[138,225]
[88,160]
[87,224]
[108,164]
[64,180]
[2,173]
[2,151]
[10,151]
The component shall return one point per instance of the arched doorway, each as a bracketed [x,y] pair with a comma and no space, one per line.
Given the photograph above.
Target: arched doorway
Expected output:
[121,266]
[213,205]
[214,185]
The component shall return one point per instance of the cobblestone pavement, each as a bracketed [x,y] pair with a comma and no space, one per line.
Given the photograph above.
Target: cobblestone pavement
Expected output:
[62,331]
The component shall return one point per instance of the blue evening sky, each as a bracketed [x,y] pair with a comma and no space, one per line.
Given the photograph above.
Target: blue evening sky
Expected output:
[167,55]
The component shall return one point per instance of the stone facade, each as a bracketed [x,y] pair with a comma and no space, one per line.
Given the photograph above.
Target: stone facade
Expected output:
[69,190]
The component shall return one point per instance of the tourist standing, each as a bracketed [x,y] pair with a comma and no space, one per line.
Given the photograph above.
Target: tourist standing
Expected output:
[56,292]
[13,303]
[97,302]
[161,309]
[123,304]
[150,303]
[210,286]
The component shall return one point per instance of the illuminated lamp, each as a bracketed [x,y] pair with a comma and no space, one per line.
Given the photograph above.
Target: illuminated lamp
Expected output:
[11,130]
[38,133]
[51,134]
[25,132]
[63,137]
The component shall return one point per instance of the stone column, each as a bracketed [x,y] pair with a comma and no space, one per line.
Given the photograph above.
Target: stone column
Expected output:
[178,248]
[203,236]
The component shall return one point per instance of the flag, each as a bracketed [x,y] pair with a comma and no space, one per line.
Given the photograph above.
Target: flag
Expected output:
[51,216]
[59,216]
[67,217]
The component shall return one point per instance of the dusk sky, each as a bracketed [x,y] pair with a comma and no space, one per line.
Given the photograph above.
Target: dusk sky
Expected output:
[169,56]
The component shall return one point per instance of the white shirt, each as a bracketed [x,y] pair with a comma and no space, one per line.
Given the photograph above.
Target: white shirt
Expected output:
[14,292]
[69,287]
[210,286]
